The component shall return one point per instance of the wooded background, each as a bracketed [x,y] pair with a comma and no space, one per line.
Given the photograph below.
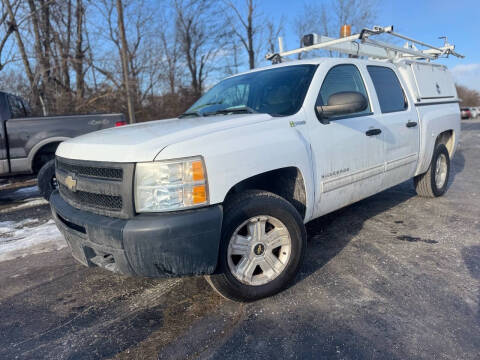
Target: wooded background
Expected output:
[149,59]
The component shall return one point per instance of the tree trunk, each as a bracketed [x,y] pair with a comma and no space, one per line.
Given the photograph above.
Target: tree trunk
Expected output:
[79,54]
[41,58]
[251,50]
[124,58]
[23,54]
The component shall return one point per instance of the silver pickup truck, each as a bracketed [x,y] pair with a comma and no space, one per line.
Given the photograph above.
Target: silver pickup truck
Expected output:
[28,144]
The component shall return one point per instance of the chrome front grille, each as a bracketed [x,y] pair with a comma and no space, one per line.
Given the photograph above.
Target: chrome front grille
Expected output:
[99,187]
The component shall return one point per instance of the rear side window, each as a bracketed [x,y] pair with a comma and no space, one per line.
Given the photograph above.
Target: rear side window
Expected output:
[389,91]
[342,78]
[16,107]
[27,109]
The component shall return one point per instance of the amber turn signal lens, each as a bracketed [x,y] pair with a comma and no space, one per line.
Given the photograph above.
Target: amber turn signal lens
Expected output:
[199,194]
[197,171]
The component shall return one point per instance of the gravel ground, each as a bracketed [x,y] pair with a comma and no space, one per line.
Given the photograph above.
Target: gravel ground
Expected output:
[394,276]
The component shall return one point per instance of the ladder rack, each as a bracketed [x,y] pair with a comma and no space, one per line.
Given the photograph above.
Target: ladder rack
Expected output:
[362,45]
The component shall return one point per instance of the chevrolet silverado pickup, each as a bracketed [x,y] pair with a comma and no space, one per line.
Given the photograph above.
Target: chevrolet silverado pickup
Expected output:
[224,190]
[28,144]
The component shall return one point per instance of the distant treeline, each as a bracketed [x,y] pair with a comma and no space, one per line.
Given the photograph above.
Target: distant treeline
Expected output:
[468,97]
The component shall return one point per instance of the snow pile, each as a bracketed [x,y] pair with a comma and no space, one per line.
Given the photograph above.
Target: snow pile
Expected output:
[27,237]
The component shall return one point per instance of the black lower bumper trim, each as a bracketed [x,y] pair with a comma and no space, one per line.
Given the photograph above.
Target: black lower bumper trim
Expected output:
[153,245]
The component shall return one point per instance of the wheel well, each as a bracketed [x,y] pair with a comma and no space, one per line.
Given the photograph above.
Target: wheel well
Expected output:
[43,155]
[446,138]
[286,182]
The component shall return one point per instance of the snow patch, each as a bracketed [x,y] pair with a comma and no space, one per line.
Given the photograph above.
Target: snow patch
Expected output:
[28,204]
[27,237]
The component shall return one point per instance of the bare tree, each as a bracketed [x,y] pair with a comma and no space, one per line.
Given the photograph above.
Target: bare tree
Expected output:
[170,51]
[79,52]
[137,55]
[468,97]
[7,29]
[274,31]
[311,20]
[357,13]
[327,18]
[245,27]
[23,53]
[41,25]
[125,61]
[200,37]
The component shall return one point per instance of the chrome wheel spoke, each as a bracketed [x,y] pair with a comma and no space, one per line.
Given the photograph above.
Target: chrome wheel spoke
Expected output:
[256,228]
[249,270]
[270,263]
[240,245]
[276,238]
[245,268]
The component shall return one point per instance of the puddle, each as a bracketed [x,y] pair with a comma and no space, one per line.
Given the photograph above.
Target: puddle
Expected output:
[416,239]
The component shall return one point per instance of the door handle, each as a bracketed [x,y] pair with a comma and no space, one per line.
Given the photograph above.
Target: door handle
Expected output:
[411,124]
[372,132]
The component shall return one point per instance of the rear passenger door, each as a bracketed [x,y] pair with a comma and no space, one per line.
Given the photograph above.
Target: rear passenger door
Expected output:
[400,123]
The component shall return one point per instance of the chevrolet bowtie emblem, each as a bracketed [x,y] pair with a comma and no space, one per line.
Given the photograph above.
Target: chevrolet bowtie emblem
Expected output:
[71,183]
[259,249]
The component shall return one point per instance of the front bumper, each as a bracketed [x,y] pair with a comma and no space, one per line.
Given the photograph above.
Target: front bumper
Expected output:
[152,245]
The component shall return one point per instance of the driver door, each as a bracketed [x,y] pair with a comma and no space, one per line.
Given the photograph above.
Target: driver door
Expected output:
[348,151]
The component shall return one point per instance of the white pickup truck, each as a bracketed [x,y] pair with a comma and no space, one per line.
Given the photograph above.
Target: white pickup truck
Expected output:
[225,189]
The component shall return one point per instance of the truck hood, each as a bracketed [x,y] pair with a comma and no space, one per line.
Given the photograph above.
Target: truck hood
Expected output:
[142,142]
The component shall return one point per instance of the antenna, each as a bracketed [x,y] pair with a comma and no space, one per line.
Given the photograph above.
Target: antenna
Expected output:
[361,44]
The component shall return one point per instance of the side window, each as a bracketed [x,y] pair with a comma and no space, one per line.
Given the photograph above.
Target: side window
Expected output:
[16,107]
[342,78]
[389,91]
[28,110]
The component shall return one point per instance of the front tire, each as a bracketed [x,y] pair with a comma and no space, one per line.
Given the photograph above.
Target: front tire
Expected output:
[434,182]
[46,179]
[262,247]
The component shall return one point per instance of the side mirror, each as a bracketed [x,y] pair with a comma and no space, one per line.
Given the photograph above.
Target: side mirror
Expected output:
[341,103]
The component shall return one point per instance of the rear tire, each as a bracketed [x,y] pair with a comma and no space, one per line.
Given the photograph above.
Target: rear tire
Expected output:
[46,180]
[434,182]
[262,246]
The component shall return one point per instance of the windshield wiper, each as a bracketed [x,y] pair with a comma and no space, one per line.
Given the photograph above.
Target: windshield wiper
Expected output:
[243,109]
[191,113]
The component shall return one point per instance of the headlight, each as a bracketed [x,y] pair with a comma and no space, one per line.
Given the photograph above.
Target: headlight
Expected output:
[170,185]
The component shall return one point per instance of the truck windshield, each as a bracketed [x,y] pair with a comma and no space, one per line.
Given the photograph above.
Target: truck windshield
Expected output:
[278,92]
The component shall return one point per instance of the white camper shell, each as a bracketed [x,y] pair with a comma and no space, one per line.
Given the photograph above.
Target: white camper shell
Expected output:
[427,82]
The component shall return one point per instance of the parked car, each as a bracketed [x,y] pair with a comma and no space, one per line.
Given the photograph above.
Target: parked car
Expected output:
[475,112]
[465,113]
[28,144]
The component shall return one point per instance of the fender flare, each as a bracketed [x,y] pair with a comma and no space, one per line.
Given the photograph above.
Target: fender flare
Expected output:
[39,145]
